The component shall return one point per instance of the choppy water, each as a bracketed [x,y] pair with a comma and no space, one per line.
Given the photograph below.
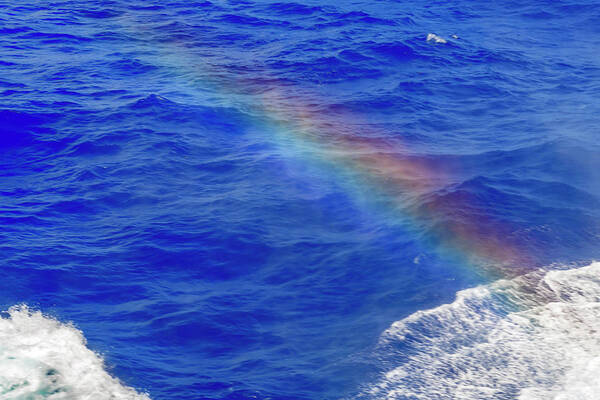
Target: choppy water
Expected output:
[299,200]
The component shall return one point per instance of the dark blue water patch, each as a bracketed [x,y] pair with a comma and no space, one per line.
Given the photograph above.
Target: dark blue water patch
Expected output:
[10,31]
[18,130]
[14,120]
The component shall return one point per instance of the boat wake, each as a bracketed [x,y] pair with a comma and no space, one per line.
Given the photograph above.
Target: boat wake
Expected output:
[532,337]
[42,358]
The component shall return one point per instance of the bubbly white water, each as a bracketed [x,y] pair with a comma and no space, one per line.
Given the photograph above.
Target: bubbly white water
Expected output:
[531,338]
[42,358]
[432,37]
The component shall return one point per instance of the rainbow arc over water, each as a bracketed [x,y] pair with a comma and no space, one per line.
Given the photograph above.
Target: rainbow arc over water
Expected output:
[385,166]
[391,168]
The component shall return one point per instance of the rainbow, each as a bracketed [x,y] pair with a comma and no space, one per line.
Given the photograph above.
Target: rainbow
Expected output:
[385,166]
[391,169]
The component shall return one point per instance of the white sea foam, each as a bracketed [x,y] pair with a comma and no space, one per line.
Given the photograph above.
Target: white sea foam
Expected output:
[42,358]
[432,37]
[531,338]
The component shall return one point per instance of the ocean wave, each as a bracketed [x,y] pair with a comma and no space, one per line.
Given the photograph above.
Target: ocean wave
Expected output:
[42,358]
[242,195]
[532,337]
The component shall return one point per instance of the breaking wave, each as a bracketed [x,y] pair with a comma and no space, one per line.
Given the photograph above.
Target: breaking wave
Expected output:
[42,358]
[532,337]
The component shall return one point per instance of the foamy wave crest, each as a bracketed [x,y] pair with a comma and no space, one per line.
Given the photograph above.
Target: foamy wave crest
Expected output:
[42,358]
[533,337]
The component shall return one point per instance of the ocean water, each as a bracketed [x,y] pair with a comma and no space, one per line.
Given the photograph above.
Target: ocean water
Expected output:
[257,199]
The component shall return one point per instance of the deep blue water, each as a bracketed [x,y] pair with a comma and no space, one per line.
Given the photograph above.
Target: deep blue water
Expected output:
[150,197]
